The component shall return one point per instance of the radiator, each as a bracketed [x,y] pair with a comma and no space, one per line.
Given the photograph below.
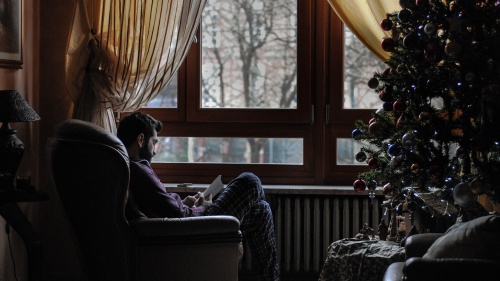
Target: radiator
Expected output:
[306,225]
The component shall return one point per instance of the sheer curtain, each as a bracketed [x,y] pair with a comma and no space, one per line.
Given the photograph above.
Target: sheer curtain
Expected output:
[363,18]
[121,53]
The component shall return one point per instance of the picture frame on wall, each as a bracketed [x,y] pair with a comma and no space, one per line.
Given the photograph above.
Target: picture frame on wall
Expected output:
[11,33]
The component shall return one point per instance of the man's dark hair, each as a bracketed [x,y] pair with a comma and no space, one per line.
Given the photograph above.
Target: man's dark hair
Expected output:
[136,123]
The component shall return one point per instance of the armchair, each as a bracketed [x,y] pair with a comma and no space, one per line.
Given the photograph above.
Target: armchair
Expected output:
[90,171]
[469,252]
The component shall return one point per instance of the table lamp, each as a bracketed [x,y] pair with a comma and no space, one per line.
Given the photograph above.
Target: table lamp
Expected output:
[13,108]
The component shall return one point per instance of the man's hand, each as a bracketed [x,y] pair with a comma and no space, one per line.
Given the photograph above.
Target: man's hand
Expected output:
[190,200]
[203,202]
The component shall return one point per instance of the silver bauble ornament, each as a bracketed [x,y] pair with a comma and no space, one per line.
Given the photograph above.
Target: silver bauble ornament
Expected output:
[361,156]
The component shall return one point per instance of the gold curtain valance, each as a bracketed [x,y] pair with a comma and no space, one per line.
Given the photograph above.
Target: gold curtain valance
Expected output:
[363,18]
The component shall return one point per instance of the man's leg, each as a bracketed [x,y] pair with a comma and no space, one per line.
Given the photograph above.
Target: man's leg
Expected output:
[244,199]
[258,229]
[239,196]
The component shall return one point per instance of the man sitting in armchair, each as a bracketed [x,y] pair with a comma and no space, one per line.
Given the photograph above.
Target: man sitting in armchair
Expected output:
[243,197]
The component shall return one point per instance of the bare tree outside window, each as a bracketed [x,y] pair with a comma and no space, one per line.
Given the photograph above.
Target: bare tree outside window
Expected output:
[228,150]
[249,61]
[359,66]
[249,54]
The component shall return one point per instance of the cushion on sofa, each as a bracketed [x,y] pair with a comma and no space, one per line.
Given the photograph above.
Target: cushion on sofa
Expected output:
[478,238]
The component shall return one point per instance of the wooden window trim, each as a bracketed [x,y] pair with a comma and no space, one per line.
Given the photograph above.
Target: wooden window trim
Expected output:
[322,85]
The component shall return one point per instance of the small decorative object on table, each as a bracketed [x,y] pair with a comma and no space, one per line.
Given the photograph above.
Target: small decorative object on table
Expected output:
[366,233]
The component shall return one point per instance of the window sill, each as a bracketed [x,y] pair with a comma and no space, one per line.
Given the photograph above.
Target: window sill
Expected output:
[279,189]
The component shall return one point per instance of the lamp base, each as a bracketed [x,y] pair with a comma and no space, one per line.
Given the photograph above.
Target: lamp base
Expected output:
[11,154]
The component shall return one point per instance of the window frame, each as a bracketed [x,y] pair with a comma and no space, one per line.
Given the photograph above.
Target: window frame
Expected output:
[321,69]
[342,120]
[302,114]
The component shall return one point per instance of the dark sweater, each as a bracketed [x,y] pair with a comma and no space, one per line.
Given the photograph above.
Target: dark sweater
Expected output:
[152,197]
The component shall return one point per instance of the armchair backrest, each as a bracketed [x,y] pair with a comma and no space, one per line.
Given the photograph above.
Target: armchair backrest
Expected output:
[90,170]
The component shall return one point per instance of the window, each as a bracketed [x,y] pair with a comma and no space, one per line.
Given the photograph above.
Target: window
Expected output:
[359,66]
[249,54]
[266,88]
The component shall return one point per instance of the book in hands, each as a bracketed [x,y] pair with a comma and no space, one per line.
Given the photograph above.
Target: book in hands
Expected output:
[214,188]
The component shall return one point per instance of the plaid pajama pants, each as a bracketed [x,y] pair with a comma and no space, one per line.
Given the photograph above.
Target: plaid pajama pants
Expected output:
[244,199]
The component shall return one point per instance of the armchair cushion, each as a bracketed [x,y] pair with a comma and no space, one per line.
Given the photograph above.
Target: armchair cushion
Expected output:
[476,239]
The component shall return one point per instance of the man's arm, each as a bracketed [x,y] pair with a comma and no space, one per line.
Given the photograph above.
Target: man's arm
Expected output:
[152,197]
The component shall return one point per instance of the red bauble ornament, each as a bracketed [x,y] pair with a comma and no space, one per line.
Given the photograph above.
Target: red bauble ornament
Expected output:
[385,95]
[421,3]
[399,106]
[387,71]
[386,24]
[373,163]
[388,44]
[359,185]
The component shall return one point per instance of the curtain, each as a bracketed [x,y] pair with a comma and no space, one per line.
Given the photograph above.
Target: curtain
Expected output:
[363,18]
[122,53]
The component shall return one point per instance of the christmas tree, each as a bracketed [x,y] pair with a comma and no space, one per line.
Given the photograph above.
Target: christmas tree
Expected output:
[439,127]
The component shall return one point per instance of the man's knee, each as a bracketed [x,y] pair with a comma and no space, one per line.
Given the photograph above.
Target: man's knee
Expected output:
[249,176]
[252,181]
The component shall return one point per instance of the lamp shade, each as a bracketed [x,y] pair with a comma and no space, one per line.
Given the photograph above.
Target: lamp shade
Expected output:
[14,108]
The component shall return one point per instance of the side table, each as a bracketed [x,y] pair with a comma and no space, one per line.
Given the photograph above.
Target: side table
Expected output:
[360,260]
[10,211]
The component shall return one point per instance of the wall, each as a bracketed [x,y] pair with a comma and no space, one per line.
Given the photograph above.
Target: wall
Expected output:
[41,81]
[60,262]
[26,81]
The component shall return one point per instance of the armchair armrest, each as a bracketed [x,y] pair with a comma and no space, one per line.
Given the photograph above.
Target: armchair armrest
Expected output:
[184,248]
[418,244]
[450,269]
[200,230]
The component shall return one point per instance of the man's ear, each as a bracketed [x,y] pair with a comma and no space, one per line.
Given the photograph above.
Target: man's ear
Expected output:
[140,139]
